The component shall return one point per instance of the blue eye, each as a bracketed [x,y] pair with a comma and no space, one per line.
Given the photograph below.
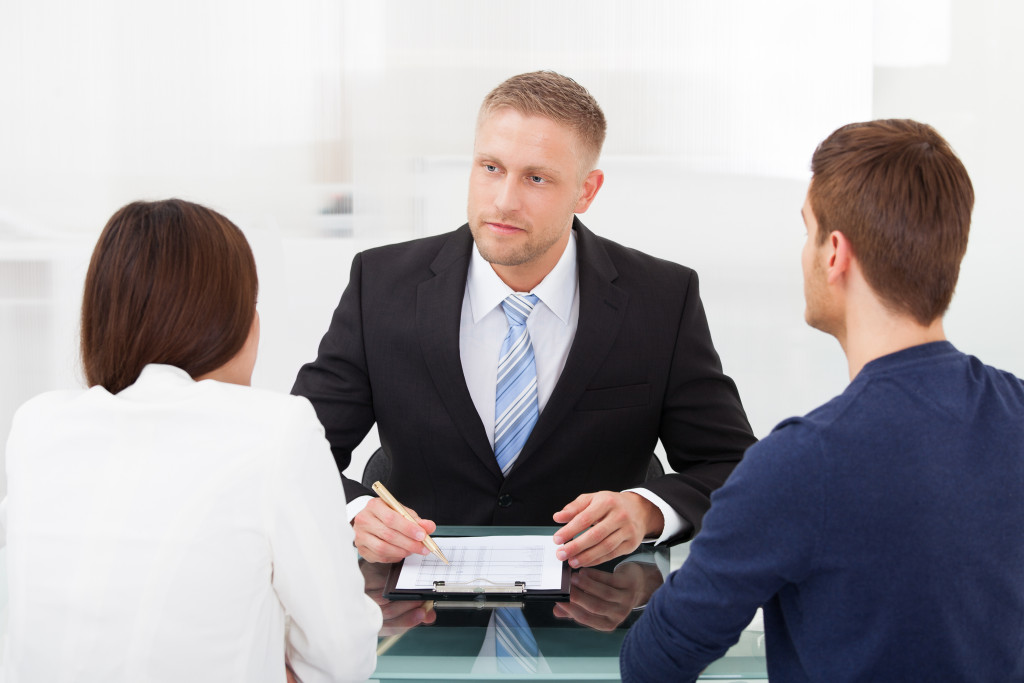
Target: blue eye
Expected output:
[490,168]
[536,179]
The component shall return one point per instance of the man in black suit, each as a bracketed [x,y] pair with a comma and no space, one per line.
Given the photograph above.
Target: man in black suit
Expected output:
[617,341]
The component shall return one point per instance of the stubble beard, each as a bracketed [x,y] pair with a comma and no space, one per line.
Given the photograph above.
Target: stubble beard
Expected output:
[498,254]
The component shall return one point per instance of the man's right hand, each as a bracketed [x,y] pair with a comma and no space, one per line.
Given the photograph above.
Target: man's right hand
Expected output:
[383,535]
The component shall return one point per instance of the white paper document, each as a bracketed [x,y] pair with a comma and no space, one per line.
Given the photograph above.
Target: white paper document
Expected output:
[486,560]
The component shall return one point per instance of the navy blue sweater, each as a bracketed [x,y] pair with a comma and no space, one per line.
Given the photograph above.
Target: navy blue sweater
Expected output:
[883,533]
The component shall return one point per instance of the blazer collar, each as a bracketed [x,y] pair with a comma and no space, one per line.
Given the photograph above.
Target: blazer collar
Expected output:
[438,317]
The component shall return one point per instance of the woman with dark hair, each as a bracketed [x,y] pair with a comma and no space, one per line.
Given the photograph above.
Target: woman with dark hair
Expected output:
[170,523]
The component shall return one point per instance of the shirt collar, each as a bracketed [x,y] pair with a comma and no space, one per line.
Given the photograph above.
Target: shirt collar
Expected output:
[556,290]
[157,379]
[929,351]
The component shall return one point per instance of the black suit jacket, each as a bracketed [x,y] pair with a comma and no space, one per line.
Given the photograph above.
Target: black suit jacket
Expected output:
[641,367]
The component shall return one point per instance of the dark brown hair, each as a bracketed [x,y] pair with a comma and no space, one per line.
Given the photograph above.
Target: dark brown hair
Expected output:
[555,97]
[169,282]
[903,199]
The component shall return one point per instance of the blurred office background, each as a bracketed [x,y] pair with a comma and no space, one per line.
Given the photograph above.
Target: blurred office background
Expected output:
[324,127]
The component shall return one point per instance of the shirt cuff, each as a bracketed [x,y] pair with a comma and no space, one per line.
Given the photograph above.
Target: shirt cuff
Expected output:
[674,522]
[356,506]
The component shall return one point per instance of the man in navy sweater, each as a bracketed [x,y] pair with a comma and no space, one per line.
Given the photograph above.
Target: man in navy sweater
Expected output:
[882,532]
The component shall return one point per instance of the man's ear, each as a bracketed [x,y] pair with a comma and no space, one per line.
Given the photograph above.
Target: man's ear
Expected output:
[591,184]
[839,256]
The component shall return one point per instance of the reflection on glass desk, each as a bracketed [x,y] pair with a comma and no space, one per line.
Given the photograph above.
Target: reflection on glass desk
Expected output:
[537,640]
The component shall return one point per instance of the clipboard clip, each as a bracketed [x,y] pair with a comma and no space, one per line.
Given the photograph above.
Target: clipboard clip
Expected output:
[477,602]
[480,586]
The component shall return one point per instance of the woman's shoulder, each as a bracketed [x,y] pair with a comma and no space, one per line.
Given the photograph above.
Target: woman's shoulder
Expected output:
[51,401]
[37,417]
[276,406]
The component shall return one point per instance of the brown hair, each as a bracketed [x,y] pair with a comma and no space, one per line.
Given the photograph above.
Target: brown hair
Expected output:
[903,199]
[169,282]
[555,97]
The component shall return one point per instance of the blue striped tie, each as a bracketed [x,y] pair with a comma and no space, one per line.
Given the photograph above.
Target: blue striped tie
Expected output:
[514,643]
[515,401]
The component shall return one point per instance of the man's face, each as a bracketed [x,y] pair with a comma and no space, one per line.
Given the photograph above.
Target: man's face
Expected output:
[524,188]
[819,310]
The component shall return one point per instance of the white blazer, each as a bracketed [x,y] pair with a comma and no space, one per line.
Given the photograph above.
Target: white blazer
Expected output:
[180,531]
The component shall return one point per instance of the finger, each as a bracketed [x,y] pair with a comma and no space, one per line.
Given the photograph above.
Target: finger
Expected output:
[371,585]
[394,521]
[573,508]
[559,611]
[598,507]
[376,592]
[596,606]
[372,528]
[599,554]
[614,535]
[603,585]
[584,517]
[597,622]
[415,616]
[593,540]
[425,524]
[375,549]
[574,611]
[395,610]
[586,540]
[600,544]
[611,547]
[374,575]
[386,536]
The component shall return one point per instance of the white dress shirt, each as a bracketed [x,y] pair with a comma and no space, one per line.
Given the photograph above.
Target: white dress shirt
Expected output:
[180,531]
[552,326]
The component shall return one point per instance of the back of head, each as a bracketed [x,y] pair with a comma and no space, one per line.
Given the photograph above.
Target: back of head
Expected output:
[903,199]
[554,97]
[169,282]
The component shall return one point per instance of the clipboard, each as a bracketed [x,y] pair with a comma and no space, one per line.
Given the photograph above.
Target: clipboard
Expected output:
[474,592]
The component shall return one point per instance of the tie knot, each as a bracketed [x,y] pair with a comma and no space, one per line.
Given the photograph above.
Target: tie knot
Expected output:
[518,307]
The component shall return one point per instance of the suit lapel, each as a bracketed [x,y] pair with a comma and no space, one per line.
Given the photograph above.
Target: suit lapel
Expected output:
[602,308]
[438,317]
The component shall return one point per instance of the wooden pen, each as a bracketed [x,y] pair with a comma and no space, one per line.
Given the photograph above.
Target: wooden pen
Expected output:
[386,496]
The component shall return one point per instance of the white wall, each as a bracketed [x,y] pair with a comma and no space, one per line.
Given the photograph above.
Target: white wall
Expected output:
[271,112]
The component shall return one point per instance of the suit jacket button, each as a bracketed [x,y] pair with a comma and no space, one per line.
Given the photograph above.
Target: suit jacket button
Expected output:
[504,500]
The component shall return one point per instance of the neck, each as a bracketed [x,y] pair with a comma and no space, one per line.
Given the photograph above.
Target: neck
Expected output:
[517,280]
[230,373]
[877,332]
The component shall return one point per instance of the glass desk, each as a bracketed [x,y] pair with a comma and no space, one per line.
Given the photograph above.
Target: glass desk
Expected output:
[577,640]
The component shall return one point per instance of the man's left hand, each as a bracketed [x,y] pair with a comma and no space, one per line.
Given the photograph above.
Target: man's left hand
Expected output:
[604,525]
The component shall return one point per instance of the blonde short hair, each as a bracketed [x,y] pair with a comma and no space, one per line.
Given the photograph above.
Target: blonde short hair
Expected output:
[558,98]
